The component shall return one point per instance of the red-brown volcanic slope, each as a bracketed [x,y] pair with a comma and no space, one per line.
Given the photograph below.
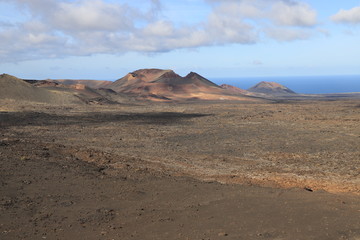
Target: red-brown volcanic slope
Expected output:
[233,89]
[158,84]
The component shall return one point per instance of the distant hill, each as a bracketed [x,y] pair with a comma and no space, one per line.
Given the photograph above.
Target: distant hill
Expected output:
[159,84]
[16,89]
[158,81]
[271,88]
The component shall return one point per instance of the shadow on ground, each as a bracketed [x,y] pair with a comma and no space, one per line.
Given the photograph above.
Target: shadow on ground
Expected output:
[8,119]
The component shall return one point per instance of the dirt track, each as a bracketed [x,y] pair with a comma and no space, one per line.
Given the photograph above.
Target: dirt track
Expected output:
[153,171]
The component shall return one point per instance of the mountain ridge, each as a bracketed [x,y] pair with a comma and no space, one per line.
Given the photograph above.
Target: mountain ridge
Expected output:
[155,84]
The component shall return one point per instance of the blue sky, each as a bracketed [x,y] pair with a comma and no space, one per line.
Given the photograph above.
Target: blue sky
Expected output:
[105,39]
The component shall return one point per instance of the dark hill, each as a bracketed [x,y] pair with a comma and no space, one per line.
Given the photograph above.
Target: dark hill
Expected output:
[19,90]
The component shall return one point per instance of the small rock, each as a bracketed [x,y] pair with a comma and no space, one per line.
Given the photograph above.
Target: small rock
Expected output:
[3,143]
[26,182]
[223,234]
[23,158]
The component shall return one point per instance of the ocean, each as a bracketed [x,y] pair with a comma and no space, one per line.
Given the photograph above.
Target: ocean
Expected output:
[301,84]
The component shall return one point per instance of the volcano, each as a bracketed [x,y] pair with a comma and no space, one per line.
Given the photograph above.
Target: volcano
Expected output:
[159,84]
[271,88]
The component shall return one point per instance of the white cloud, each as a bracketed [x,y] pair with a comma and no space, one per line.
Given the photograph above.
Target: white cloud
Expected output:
[160,29]
[91,15]
[282,20]
[347,16]
[58,28]
[226,28]
[287,34]
[280,12]
[290,13]
[22,44]
[324,32]
[242,8]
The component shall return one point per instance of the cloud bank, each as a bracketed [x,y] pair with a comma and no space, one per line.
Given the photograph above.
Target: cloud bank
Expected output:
[347,16]
[60,28]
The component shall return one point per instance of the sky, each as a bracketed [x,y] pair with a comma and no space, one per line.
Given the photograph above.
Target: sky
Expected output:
[106,39]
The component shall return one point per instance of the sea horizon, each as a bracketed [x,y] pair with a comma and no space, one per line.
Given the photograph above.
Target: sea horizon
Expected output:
[299,84]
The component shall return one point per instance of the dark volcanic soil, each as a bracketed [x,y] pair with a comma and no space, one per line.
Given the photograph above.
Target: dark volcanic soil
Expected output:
[153,172]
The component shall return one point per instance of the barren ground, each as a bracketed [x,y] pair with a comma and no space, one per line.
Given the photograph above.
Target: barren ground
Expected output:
[285,170]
